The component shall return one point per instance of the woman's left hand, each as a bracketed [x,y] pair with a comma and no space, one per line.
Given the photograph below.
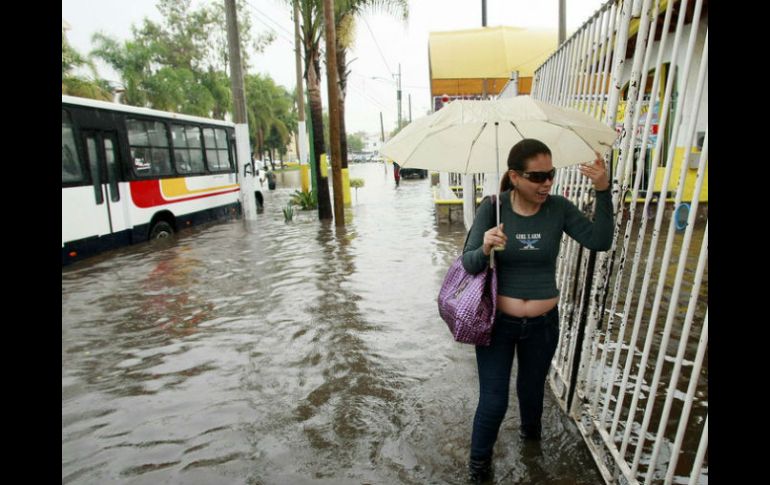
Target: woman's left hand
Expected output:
[597,172]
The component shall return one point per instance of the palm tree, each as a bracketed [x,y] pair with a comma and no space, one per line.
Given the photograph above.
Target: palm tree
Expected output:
[268,107]
[311,13]
[71,84]
[132,60]
[346,12]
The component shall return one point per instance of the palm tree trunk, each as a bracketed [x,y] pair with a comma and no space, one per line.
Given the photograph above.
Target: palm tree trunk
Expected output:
[260,143]
[316,118]
[343,78]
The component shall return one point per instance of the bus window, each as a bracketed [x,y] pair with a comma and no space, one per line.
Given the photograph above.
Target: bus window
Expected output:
[70,163]
[93,161]
[112,168]
[149,147]
[222,147]
[139,156]
[161,161]
[216,149]
[188,153]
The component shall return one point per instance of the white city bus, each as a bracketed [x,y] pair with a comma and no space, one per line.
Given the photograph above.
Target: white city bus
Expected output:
[132,174]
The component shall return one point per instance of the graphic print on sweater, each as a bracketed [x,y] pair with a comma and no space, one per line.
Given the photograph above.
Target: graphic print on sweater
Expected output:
[528,240]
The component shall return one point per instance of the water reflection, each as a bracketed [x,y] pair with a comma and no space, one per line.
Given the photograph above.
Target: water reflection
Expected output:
[277,353]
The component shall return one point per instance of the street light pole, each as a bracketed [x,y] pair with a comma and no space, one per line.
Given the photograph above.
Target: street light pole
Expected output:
[301,128]
[398,92]
[242,149]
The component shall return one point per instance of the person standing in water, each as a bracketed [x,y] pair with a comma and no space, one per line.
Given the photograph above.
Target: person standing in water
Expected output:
[527,322]
[397,172]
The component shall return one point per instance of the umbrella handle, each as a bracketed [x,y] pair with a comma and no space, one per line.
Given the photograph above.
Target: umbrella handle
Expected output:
[497,200]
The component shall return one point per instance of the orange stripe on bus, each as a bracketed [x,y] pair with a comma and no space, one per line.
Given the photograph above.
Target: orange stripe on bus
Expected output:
[147,193]
[178,188]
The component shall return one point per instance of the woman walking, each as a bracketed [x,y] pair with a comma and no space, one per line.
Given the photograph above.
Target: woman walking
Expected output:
[527,322]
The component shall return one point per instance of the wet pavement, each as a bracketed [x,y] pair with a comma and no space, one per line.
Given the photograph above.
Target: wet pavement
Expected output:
[285,353]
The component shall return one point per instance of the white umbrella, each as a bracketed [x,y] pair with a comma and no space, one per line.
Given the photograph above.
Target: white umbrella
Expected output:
[460,137]
[470,136]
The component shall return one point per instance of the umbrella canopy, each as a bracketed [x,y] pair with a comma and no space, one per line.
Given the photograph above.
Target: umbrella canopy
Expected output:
[461,136]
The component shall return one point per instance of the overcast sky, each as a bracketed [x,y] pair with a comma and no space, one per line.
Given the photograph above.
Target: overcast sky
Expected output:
[382,42]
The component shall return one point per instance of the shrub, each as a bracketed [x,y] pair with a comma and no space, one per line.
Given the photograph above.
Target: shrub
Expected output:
[288,213]
[305,200]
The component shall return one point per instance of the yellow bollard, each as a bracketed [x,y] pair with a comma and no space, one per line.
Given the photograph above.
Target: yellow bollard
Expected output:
[324,168]
[304,177]
[345,187]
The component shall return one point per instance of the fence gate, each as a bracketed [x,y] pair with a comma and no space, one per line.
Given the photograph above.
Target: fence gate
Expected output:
[631,364]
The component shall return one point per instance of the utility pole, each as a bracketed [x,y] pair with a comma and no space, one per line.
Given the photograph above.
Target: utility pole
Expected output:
[398,92]
[484,90]
[242,149]
[562,21]
[410,108]
[301,129]
[334,112]
[382,142]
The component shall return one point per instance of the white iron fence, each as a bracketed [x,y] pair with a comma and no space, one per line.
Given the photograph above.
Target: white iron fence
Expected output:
[630,367]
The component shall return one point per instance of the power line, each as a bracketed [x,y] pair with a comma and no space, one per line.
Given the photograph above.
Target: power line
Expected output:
[368,97]
[290,39]
[291,34]
[387,80]
[377,44]
[277,34]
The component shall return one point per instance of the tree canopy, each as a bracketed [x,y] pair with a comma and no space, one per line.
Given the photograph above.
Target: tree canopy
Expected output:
[74,84]
[181,64]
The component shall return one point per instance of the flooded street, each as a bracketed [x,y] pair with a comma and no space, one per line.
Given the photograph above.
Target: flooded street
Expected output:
[285,353]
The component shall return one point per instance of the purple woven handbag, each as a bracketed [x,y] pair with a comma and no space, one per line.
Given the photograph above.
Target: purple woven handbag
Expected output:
[467,302]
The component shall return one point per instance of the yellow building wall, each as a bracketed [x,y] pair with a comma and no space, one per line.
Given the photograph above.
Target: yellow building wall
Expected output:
[459,87]
[690,177]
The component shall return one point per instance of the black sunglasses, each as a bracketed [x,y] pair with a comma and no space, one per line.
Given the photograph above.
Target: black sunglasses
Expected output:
[538,177]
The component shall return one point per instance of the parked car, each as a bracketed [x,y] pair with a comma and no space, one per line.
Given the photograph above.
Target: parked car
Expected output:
[413,173]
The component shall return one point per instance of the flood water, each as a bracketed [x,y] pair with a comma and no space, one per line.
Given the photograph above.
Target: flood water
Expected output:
[285,353]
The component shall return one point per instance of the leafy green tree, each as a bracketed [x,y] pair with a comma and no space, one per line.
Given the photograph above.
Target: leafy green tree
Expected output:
[131,60]
[271,115]
[284,122]
[355,142]
[74,85]
[179,64]
[218,85]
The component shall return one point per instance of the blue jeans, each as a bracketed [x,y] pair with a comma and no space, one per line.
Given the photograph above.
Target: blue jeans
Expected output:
[535,340]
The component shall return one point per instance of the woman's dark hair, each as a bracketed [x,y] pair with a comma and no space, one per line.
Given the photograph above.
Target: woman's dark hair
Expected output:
[519,155]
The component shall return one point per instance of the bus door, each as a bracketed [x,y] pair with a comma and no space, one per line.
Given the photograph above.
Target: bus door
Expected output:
[103,158]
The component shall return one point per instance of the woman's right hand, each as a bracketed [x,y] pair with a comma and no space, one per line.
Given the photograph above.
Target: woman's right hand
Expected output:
[494,237]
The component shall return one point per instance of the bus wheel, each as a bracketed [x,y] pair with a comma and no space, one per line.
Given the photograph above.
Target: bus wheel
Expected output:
[161,230]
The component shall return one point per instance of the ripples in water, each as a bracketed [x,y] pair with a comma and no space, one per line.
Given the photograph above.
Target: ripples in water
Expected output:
[275,353]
